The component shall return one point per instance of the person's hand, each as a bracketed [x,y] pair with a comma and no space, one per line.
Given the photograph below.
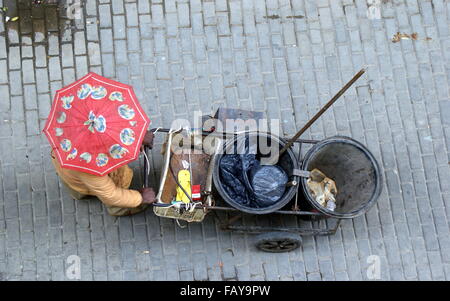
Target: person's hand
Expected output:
[148,139]
[148,196]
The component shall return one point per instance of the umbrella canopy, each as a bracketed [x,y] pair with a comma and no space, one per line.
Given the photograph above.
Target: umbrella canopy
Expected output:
[96,125]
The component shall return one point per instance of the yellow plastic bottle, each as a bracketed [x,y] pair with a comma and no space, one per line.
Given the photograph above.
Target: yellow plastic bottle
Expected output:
[184,178]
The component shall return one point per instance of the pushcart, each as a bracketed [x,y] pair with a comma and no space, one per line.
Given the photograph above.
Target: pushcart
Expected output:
[270,238]
[343,159]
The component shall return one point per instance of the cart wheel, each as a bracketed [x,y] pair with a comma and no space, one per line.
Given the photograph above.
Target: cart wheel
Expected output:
[278,242]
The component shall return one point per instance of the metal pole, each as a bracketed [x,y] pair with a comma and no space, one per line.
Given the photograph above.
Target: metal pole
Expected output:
[318,114]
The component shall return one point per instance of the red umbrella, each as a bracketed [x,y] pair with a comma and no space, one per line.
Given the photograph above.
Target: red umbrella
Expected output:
[96,125]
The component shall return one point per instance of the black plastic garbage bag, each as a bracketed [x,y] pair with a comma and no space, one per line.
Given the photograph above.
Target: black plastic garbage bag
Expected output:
[232,176]
[248,182]
[268,183]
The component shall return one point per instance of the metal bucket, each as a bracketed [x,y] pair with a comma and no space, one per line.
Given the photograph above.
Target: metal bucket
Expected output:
[287,162]
[355,171]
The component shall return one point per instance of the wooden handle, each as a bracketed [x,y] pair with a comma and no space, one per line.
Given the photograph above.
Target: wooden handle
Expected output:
[318,114]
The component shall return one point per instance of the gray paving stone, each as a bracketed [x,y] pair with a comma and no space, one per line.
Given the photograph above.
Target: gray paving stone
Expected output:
[4,72]
[143,6]
[79,43]
[145,26]
[183,14]
[133,39]
[157,15]
[91,29]
[3,54]
[105,19]
[117,7]
[131,14]
[15,82]
[14,58]
[106,41]
[67,55]
[209,13]
[119,27]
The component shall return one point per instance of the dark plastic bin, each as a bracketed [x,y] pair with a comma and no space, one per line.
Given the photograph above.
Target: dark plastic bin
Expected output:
[354,169]
[287,162]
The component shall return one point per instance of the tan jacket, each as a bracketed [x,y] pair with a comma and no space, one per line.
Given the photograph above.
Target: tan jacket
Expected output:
[110,189]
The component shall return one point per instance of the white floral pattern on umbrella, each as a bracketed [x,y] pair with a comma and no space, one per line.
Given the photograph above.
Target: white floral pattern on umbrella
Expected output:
[127,136]
[87,157]
[116,95]
[72,155]
[98,92]
[67,101]
[84,91]
[61,118]
[58,132]
[66,145]
[126,112]
[117,151]
[101,160]
[96,123]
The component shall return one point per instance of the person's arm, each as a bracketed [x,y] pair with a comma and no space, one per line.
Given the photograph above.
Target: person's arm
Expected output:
[106,190]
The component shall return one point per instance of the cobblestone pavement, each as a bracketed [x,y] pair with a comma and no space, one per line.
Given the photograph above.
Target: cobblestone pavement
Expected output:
[283,57]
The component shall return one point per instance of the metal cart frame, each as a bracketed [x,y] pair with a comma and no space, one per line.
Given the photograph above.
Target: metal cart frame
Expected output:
[270,238]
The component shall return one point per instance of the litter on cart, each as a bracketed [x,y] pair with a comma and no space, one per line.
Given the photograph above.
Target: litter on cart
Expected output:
[323,189]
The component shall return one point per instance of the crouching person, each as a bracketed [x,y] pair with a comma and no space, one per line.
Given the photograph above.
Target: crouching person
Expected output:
[112,189]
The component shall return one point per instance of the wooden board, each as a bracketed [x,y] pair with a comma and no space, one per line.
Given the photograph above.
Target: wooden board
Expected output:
[199,171]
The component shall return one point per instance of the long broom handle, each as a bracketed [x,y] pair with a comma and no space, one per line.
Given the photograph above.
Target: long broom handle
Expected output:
[318,114]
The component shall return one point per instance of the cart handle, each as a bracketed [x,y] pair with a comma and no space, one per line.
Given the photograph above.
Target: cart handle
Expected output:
[213,132]
[146,167]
